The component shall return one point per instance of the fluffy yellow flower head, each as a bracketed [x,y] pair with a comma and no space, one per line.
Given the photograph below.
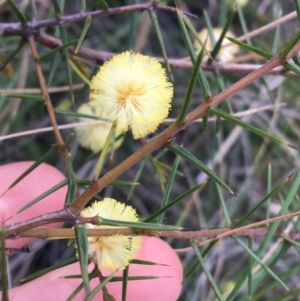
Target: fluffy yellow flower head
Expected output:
[112,252]
[93,136]
[226,53]
[134,88]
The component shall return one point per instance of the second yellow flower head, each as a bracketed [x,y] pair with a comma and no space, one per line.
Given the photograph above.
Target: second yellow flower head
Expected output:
[112,252]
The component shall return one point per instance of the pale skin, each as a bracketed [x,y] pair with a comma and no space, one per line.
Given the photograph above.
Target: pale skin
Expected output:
[53,285]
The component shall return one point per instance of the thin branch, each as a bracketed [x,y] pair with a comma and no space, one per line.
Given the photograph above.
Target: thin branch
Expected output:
[11,29]
[248,230]
[253,225]
[46,233]
[50,129]
[15,229]
[183,63]
[51,90]
[61,216]
[171,120]
[265,28]
[44,91]
[23,229]
[17,28]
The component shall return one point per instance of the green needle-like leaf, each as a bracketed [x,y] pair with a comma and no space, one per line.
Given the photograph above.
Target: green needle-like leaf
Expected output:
[24,96]
[82,5]
[175,201]
[168,189]
[80,73]
[224,207]
[136,178]
[49,269]
[12,54]
[103,5]
[64,38]
[263,265]
[259,204]
[72,183]
[204,123]
[51,53]
[290,45]
[218,77]
[206,271]
[75,292]
[85,30]
[250,265]
[99,287]
[139,225]
[67,61]
[291,241]
[79,115]
[53,68]
[82,250]
[273,227]
[293,67]
[158,170]
[145,262]
[250,48]
[125,283]
[201,76]
[270,288]
[269,189]
[113,183]
[297,6]
[133,21]
[42,196]
[243,22]
[218,45]
[3,267]
[276,39]
[194,265]
[182,152]
[155,23]
[136,278]
[33,10]
[105,149]
[190,90]
[245,125]
[32,167]
[16,10]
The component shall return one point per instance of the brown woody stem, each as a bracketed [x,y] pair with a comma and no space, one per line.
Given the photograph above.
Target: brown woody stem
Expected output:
[44,91]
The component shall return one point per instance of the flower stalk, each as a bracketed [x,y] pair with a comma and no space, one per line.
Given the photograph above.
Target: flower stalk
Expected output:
[105,149]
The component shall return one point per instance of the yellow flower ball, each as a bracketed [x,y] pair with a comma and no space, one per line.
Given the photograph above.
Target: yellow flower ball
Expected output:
[112,252]
[93,136]
[226,53]
[133,88]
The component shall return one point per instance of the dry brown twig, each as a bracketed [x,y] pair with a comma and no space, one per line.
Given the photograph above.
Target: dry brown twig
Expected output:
[171,120]
[183,63]
[215,234]
[19,29]
[44,91]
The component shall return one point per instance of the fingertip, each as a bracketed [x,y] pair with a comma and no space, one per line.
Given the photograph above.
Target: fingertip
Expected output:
[34,184]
